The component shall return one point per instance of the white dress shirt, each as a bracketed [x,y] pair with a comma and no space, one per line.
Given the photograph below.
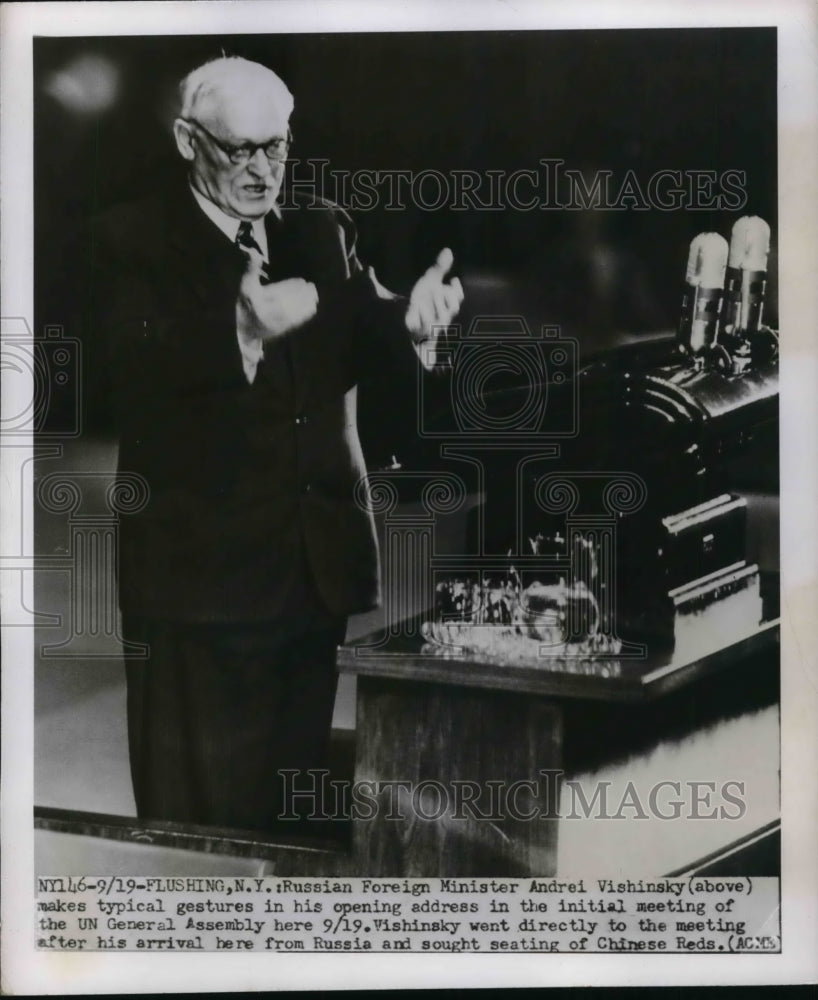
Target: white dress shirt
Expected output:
[251,346]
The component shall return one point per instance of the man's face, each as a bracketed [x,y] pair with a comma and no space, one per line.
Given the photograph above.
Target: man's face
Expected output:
[243,191]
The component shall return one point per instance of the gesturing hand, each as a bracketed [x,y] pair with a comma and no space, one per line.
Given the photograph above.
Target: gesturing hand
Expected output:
[432,302]
[270,311]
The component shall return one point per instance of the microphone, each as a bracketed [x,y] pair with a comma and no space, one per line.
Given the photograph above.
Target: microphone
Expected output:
[701,300]
[746,281]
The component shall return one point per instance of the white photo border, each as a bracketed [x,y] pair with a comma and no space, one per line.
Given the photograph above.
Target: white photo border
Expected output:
[25,970]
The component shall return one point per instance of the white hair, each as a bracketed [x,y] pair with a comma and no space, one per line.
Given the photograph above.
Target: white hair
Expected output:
[227,73]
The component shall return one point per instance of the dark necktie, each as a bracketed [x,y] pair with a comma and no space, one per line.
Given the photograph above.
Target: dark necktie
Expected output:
[245,239]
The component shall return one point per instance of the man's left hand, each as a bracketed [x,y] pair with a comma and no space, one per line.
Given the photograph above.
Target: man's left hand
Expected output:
[434,303]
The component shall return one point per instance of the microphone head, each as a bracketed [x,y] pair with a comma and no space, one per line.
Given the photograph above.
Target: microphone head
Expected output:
[707,261]
[750,244]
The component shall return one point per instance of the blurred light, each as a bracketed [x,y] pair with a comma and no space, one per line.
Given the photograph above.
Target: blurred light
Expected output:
[87,85]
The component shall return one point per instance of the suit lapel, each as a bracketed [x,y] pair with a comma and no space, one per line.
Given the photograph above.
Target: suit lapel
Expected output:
[205,259]
[302,244]
[208,267]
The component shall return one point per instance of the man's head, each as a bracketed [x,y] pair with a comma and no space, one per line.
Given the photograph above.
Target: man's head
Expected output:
[231,106]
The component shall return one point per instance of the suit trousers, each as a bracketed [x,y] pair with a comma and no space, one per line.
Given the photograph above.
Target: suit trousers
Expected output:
[217,711]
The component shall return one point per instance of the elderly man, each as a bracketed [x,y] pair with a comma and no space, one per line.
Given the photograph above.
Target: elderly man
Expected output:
[238,332]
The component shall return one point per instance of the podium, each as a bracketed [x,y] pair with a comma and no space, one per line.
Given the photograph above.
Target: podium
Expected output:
[433,723]
[464,755]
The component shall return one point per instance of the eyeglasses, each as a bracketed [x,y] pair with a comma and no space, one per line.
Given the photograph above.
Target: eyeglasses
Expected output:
[275,149]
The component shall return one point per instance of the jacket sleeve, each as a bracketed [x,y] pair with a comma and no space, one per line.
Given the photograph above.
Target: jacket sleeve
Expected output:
[368,317]
[384,338]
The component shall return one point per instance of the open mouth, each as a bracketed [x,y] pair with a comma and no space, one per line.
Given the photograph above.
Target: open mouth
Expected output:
[256,190]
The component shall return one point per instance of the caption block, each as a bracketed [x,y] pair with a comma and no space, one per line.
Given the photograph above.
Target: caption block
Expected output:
[494,916]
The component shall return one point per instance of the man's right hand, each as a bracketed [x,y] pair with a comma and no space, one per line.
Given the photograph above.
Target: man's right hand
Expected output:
[270,311]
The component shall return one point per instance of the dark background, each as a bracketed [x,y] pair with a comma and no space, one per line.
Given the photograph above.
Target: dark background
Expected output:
[615,100]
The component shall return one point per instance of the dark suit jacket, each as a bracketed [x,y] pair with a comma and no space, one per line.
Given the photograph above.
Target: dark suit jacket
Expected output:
[252,505]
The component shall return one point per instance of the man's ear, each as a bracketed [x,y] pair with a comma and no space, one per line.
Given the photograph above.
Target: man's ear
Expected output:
[183,136]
